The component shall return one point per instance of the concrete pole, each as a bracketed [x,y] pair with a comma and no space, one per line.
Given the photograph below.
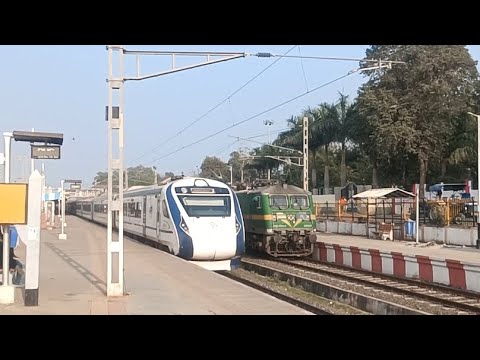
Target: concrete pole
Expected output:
[43,189]
[32,169]
[33,239]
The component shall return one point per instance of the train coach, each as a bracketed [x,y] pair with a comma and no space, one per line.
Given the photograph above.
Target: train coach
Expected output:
[197,219]
[279,219]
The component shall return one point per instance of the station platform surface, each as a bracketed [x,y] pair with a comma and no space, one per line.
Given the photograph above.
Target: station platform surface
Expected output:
[458,267]
[73,281]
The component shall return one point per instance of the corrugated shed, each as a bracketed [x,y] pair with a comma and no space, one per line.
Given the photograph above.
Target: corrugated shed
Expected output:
[384,193]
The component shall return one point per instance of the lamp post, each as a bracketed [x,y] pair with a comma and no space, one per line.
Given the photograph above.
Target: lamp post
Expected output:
[478,177]
[231,174]
[268,123]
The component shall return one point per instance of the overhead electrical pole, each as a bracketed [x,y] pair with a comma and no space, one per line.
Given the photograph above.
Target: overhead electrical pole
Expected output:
[305,153]
[115,163]
[115,117]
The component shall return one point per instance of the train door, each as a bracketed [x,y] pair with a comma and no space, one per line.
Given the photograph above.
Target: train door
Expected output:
[144,217]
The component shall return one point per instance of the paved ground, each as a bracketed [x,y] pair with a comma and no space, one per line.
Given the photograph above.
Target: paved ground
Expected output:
[73,276]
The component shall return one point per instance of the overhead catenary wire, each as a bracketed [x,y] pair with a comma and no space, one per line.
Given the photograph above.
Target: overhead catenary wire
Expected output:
[228,98]
[246,139]
[254,116]
[266,55]
[303,69]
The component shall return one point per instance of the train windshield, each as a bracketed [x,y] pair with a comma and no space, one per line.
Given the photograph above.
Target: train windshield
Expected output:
[299,202]
[204,206]
[278,201]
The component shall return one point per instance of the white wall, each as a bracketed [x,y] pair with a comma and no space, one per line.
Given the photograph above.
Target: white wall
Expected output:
[446,235]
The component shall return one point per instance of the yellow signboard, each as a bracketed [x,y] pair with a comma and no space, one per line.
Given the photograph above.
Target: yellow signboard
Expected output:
[13,204]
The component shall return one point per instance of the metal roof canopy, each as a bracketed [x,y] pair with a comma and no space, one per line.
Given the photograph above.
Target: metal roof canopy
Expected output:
[31,136]
[388,193]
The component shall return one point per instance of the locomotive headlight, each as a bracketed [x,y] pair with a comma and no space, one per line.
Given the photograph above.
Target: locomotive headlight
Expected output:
[302,216]
[184,190]
[274,217]
[184,226]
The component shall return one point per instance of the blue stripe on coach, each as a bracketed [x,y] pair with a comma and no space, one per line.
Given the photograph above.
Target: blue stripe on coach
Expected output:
[241,233]
[185,242]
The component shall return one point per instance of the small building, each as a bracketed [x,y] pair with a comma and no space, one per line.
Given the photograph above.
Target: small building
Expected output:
[385,206]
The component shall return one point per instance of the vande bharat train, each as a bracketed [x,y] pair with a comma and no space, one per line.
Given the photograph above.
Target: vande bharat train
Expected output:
[194,218]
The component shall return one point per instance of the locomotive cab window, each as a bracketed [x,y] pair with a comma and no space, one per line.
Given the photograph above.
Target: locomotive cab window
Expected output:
[278,201]
[257,203]
[299,202]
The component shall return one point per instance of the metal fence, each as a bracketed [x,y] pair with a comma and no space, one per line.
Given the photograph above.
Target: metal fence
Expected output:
[445,212]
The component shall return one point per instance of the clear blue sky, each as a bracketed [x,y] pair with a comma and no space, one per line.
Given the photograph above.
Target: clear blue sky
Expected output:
[63,89]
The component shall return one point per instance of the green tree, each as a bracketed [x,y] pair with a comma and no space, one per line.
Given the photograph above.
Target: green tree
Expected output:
[214,168]
[137,176]
[410,107]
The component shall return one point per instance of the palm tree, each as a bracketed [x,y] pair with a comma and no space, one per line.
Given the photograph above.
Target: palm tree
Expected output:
[338,122]
[321,134]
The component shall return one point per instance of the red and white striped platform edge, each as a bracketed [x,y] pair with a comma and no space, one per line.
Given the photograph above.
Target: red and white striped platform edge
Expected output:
[453,273]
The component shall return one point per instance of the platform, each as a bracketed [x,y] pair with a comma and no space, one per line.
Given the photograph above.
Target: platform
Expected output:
[458,267]
[73,281]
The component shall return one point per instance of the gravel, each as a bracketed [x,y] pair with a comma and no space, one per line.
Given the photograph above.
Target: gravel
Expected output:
[284,288]
[407,301]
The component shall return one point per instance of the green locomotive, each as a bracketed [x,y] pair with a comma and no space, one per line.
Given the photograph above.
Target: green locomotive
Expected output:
[279,219]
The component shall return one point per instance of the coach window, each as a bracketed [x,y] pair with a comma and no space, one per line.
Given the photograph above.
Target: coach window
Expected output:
[164,209]
[138,210]
[125,210]
[131,209]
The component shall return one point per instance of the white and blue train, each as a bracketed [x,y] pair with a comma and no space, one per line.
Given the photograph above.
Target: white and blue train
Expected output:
[197,219]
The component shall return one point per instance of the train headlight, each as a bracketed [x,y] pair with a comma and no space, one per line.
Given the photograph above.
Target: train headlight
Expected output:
[302,216]
[237,225]
[184,190]
[184,226]
[274,217]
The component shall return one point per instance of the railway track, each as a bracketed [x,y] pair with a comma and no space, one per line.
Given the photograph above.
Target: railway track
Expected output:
[422,297]
[277,294]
